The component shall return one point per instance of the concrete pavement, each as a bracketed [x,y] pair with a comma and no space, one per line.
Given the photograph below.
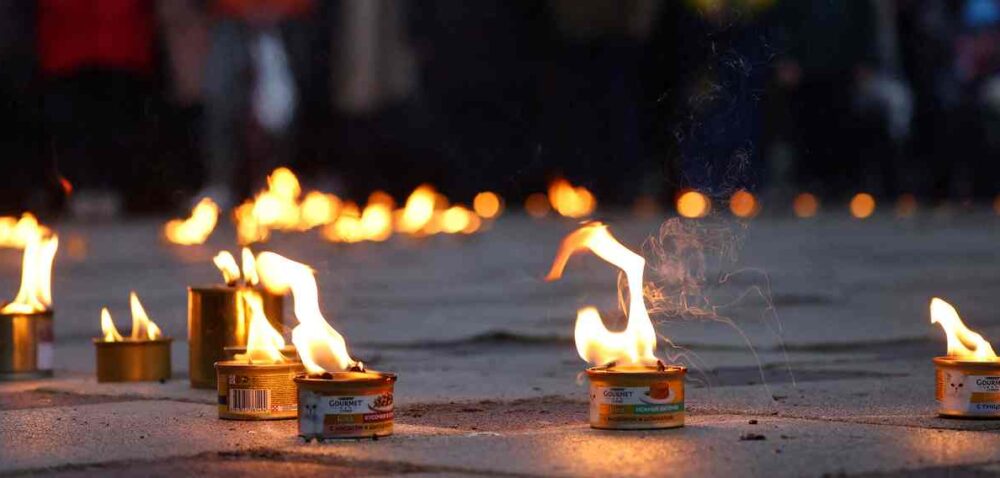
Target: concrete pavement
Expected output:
[489,380]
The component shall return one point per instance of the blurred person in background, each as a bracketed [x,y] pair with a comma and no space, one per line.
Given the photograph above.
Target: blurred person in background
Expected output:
[826,51]
[977,63]
[96,62]
[927,34]
[592,93]
[250,93]
[25,179]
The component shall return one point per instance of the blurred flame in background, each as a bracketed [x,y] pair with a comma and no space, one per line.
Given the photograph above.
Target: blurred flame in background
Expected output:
[537,205]
[197,227]
[862,205]
[15,233]
[35,293]
[963,343]
[743,204]
[571,201]
[487,205]
[693,204]
[805,205]
[906,206]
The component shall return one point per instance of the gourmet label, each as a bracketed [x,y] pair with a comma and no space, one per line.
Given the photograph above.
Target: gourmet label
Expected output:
[337,416]
[255,394]
[658,405]
[966,394]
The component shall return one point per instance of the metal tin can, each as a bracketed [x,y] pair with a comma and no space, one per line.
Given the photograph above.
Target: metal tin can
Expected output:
[26,346]
[217,318]
[967,389]
[346,405]
[636,398]
[257,391]
[133,360]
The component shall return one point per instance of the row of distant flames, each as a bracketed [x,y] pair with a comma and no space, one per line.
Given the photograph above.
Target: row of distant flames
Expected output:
[322,348]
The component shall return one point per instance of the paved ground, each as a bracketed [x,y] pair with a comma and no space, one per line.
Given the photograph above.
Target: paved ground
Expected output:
[838,379]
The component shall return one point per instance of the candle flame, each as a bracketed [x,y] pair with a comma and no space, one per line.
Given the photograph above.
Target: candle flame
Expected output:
[142,327]
[108,327]
[249,267]
[419,209]
[320,346]
[571,201]
[487,205]
[594,342]
[264,343]
[35,294]
[227,265]
[963,343]
[197,227]
[15,233]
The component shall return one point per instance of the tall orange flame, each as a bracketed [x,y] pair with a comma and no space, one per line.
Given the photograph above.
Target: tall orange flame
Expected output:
[16,233]
[320,346]
[35,294]
[142,327]
[227,265]
[963,343]
[635,346]
[108,328]
[197,227]
[264,343]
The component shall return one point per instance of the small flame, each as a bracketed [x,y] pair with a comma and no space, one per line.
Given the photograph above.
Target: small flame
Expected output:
[320,346]
[906,205]
[15,233]
[264,343]
[459,219]
[418,211]
[487,205]
[35,294]
[963,343]
[66,186]
[597,345]
[249,267]
[196,228]
[142,327]
[227,264]
[570,201]
[108,327]
[248,228]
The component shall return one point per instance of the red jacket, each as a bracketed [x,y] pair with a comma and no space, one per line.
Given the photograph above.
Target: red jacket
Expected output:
[116,34]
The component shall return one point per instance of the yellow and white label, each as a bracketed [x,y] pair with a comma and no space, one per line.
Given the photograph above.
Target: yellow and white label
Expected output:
[657,406]
[332,416]
[974,395]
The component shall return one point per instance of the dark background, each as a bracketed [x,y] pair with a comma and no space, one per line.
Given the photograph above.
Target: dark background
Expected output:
[147,105]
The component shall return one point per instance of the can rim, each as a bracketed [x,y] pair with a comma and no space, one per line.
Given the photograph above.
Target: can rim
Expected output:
[955,362]
[44,313]
[126,342]
[241,364]
[342,378]
[640,372]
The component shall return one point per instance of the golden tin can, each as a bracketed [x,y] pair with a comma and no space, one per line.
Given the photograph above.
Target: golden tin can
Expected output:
[133,360]
[257,391]
[967,389]
[346,405]
[219,317]
[26,346]
[636,398]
